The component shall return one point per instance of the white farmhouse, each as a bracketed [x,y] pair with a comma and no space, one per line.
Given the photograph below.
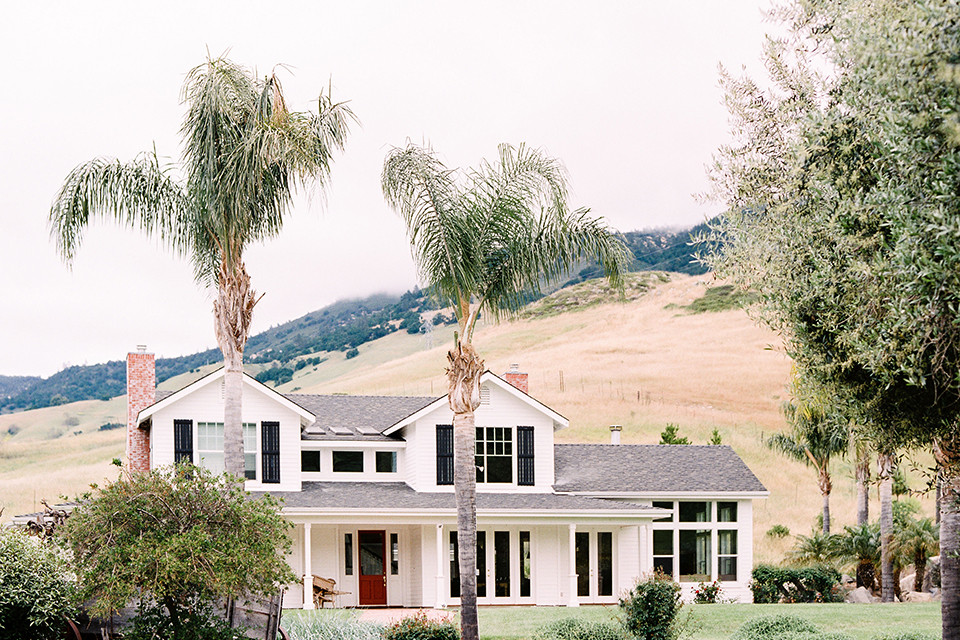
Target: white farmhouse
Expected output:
[368,483]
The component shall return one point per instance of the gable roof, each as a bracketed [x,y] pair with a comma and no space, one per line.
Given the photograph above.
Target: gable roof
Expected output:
[366,417]
[559,421]
[622,469]
[166,399]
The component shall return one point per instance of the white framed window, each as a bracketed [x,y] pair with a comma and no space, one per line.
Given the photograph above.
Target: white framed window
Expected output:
[210,448]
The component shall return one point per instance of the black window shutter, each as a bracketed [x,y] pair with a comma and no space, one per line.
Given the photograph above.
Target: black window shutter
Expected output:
[444,454]
[525,474]
[270,451]
[182,441]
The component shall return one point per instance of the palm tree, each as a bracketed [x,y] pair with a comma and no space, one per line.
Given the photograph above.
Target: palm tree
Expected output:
[916,541]
[817,548]
[861,544]
[245,155]
[815,440]
[861,453]
[481,240]
[886,467]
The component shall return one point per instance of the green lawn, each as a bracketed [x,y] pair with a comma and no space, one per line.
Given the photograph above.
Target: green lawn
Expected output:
[717,622]
[709,622]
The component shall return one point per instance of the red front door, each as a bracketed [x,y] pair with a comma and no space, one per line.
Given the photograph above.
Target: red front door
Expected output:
[373,567]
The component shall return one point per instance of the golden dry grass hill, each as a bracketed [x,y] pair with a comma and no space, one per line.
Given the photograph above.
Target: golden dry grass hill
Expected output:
[641,362]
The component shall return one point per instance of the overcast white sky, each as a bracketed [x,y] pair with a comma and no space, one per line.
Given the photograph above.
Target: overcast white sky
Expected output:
[624,92]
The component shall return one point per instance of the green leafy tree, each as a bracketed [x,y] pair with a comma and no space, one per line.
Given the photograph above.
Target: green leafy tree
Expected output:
[37,592]
[244,156]
[180,536]
[843,218]
[482,240]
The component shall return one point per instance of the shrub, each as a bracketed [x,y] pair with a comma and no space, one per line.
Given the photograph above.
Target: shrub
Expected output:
[352,353]
[774,627]
[36,591]
[108,426]
[905,635]
[577,629]
[778,531]
[707,593]
[772,584]
[670,435]
[652,608]
[419,627]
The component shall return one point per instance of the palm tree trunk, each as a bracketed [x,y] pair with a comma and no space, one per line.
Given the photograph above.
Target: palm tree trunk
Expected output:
[920,568]
[863,486]
[885,472]
[947,454]
[233,311]
[463,376]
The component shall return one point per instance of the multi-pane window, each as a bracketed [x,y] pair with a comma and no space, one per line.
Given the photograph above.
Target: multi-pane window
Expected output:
[249,451]
[494,456]
[700,543]
[663,551]
[210,446]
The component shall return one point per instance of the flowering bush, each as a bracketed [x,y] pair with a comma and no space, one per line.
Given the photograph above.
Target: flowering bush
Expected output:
[707,593]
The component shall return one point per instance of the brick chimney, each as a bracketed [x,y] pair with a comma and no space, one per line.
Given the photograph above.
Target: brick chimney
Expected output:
[141,393]
[516,378]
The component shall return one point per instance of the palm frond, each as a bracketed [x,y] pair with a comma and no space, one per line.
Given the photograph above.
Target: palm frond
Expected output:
[425,195]
[139,194]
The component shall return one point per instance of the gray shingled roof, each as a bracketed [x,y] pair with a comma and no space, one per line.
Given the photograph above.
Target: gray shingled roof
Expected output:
[651,468]
[355,414]
[399,496]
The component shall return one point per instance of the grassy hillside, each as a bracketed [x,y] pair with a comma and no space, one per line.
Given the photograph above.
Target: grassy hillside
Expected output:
[641,363]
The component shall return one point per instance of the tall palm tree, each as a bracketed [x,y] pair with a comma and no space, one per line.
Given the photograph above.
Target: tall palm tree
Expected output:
[481,240]
[886,467]
[815,440]
[245,155]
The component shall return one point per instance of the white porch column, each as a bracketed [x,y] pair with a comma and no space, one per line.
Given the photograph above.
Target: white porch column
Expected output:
[307,567]
[441,602]
[572,600]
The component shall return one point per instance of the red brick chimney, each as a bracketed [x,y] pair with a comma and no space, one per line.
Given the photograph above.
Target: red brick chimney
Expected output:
[141,393]
[516,378]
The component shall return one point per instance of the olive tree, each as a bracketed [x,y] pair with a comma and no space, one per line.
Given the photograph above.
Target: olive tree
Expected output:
[841,186]
[178,537]
[36,589]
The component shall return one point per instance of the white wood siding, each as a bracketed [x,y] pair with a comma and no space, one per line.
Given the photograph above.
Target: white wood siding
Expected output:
[206,405]
[504,410]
